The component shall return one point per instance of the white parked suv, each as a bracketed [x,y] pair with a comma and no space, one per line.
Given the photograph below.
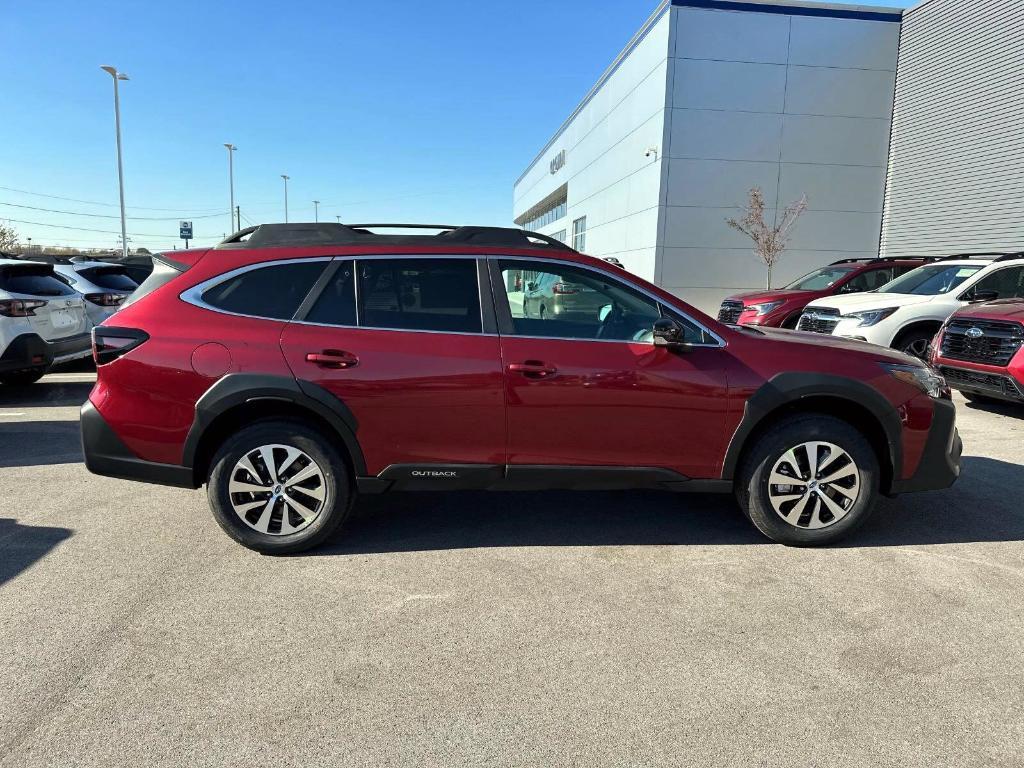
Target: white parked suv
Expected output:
[42,321]
[906,313]
[104,286]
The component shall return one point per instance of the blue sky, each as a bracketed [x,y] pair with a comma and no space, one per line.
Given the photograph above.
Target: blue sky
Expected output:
[407,111]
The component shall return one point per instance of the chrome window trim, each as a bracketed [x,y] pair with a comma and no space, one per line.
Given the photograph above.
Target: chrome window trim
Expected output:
[194,294]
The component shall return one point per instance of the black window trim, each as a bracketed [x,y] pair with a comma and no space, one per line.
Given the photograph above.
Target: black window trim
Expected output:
[506,327]
[979,277]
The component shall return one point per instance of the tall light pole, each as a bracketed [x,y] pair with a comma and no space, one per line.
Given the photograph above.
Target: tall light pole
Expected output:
[283,176]
[338,217]
[231,182]
[112,71]
[316,210]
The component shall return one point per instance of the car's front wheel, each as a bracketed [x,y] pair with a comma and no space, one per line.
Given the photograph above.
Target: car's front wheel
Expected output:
[279,487]
[808,481]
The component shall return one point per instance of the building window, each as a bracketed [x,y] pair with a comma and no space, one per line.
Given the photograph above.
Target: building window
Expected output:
[559,235]
[542,218]
[579,233]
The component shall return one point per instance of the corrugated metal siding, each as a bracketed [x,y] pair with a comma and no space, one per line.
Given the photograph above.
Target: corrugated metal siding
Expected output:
[955,179]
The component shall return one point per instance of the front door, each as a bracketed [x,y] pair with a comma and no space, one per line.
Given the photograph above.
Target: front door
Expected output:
[585,384]
[409,358]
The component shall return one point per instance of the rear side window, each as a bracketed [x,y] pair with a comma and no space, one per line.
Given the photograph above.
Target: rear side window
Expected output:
[419,294]
[111,278]
[33,281]
[274,291]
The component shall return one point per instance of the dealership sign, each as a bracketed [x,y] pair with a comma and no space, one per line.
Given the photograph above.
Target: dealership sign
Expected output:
[557,162]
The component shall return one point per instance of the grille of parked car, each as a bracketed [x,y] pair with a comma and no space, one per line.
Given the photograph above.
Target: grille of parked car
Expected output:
[819,320]
[992,342]
[959,378]
[730,311]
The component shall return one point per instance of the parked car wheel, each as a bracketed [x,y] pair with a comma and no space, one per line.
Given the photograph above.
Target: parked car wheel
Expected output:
[808,481]
[914,343]
[279,487]
[22,378]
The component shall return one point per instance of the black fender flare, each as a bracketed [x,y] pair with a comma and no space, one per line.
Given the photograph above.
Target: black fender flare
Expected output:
[235,389]
[787,388]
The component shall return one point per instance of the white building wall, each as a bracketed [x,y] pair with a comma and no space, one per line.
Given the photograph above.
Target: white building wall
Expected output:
[607,175]
[956,164]
[794,104]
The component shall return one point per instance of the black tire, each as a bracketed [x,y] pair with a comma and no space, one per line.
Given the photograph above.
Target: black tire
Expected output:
[338,487]
[752,487]
[22,378]
[914,343]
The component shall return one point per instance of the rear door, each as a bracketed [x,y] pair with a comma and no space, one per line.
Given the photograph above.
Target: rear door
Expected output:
[62,315]
[409,345]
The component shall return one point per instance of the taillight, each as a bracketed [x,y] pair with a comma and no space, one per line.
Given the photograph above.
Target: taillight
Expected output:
[564,288]
[107,299]
[108,344]
[20,307]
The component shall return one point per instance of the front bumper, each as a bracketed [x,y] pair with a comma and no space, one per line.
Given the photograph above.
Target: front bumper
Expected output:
[106,454]
[988,381]
[29,350]
[939,466]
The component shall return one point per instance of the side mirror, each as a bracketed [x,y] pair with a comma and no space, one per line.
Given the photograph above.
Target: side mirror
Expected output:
[976,297]
[668,333]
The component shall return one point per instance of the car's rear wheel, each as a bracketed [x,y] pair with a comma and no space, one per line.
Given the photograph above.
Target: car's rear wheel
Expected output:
[22,378]
[808,481]
[279,487]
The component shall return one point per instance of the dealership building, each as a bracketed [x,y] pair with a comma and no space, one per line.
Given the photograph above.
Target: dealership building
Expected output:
[901,128]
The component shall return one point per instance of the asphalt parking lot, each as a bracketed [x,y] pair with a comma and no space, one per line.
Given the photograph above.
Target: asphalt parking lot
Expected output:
[503,629]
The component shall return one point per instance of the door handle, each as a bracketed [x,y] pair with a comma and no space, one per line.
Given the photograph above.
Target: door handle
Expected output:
[533,369]
[332,358]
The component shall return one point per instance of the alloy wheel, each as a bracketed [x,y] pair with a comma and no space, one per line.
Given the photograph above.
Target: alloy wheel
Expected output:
[814,485]
[277,489]
[917,348]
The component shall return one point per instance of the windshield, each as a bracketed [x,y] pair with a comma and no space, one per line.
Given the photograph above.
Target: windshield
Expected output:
[931,280]
[820,279]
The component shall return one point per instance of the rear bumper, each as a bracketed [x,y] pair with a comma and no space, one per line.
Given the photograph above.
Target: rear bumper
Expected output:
[29,350]
[940,463]
[106,454]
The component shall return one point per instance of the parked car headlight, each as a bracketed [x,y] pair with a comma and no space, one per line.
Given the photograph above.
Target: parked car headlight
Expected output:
[763,308]
[926,379]
[870,317]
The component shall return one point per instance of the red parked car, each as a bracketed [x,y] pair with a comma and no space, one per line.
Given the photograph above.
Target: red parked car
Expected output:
[781,307]
[979,352]
[295,366]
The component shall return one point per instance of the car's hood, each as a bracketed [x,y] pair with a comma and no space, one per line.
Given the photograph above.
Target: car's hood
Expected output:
[761,297]
[819,340]
[861,302]
[1000,309]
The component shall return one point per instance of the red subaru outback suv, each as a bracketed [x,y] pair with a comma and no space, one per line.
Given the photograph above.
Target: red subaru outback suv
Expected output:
[295,366]
[781,307]
[980,350]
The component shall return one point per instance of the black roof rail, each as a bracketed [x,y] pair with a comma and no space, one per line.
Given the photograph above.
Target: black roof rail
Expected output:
[1011,256]
[883,259]
[328,233]
[852,260]
[994,255]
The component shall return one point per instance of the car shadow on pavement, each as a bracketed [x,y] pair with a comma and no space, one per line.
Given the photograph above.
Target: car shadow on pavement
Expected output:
[35,443]
[981,507]
[45,394]
[996,407]
[22,545]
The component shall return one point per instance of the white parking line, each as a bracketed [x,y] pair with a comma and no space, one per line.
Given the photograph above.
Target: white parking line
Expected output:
[12,414]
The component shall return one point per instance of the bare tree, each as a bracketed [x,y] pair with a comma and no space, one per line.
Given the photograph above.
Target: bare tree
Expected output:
[8,238]
[770,240]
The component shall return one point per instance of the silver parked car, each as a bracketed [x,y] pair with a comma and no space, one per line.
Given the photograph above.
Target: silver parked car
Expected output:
[104,286]
[42,321]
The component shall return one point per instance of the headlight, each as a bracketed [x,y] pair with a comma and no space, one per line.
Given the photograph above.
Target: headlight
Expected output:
[762,309]
[928,380]
[870,317]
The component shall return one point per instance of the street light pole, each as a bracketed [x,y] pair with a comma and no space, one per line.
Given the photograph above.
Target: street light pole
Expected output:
[231,182]
[283,176]
[316,210]
[338,217]
[112,71]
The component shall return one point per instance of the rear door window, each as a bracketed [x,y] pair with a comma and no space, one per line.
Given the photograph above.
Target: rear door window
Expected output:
[111,278]
[274,291]
[419,294]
